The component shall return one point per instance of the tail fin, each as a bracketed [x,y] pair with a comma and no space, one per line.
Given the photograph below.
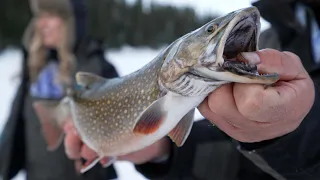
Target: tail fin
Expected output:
[50,123]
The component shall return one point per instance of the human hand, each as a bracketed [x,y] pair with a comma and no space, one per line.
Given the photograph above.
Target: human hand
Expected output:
[76,149]
[252,112]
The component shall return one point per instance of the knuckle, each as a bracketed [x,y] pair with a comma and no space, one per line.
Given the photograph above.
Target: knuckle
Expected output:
[293,58]
[291,55]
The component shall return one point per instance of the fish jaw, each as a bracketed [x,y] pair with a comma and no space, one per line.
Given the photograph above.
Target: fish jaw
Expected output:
[227,67]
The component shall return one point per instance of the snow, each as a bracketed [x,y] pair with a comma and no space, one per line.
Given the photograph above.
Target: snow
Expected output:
[125,60]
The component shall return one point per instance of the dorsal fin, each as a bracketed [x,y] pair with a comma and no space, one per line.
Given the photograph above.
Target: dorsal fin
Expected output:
[87,80]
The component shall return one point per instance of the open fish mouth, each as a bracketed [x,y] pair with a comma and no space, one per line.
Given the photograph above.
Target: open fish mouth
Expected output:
[242,38]
[240,34]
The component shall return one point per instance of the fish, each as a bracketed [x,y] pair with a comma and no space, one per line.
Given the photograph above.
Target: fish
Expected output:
[118,116]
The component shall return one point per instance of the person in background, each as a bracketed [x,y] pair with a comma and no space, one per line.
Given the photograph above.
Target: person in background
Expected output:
[56,45]
[250,139]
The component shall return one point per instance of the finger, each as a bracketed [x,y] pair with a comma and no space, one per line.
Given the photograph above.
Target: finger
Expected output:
[68,126]
[78,166]
[221,102]
[252,99]
[105,161]
[132,157]
[219,121]
[72,145]
[286,64]
[87,153]
[271,104]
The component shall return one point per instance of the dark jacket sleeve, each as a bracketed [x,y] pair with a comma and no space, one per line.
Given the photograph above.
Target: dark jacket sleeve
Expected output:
[207,153]
[295,156]
[12,153]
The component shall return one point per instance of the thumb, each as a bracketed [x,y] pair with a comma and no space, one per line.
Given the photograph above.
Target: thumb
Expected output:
[286,64]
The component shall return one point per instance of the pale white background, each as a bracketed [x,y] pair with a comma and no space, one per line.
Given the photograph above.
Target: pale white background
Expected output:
[126,61]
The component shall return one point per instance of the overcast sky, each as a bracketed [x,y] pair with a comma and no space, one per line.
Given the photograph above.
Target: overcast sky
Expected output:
[210,6]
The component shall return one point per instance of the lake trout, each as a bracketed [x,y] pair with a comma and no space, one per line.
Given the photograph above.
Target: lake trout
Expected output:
[121,115]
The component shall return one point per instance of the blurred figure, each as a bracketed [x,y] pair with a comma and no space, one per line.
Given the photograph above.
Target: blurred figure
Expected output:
[211,154]
[56,46]
[295,27]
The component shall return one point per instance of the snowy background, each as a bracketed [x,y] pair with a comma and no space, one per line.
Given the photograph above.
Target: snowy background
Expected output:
[126,60]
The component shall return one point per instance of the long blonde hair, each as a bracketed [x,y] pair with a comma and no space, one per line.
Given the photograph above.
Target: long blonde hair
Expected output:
[38,54]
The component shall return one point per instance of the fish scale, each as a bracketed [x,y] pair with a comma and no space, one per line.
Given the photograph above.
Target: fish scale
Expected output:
[113,108]
[122,115]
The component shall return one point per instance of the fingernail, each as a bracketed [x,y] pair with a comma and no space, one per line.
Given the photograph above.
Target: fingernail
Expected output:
[251,57]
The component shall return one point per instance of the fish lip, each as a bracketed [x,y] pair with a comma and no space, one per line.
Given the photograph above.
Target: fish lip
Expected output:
[249,18]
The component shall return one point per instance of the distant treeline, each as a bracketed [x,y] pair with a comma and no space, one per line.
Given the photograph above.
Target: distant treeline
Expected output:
[117,22]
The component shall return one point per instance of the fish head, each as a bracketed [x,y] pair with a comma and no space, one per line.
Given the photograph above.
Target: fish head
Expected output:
[210,52]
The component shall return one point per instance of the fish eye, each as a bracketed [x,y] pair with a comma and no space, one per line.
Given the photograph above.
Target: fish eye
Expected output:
[211,28]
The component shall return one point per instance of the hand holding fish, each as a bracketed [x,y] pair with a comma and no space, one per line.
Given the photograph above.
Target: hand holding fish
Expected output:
[76,149]
[252,112]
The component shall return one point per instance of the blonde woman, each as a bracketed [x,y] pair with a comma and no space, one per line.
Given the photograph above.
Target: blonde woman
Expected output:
[56,46]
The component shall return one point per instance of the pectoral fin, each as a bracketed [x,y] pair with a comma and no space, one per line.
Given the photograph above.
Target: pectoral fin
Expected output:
[180,133]
[87,80]
[151,119]
[49,120]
